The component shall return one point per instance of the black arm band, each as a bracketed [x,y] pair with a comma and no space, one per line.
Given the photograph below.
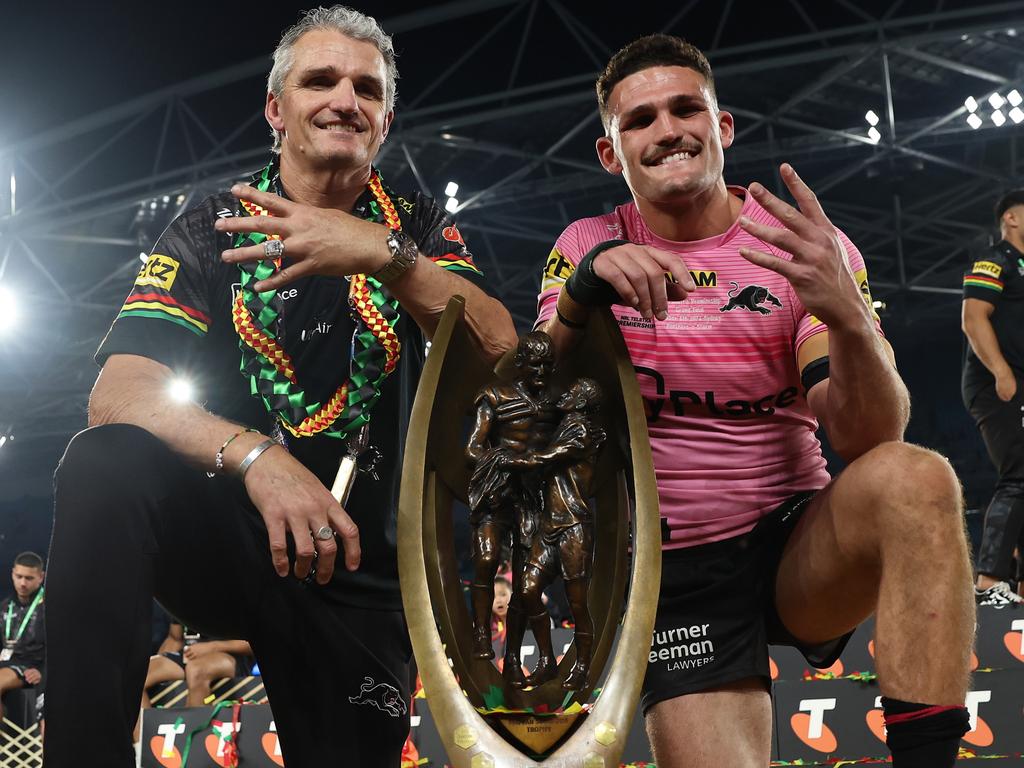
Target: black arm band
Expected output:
[814,372]
[569,323]
[585,287]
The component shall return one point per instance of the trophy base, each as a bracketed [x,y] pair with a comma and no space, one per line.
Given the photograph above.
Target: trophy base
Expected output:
[536,734]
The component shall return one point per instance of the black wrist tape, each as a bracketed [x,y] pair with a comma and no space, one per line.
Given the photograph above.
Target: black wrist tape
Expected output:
[585,287]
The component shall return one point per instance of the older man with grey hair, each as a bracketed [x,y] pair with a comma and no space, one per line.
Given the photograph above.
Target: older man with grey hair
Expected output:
[222,510]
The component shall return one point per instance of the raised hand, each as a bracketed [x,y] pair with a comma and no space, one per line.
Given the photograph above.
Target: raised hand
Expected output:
[317,241]
[819,270]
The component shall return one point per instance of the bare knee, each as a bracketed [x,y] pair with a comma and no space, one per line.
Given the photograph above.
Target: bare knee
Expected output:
[909,492]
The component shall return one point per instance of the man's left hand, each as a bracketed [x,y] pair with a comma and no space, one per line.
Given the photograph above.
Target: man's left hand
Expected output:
[317,241]
[819,270]
[32,676]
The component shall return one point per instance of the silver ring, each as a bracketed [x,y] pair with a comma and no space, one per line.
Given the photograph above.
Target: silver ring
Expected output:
[274,249]
[324,533]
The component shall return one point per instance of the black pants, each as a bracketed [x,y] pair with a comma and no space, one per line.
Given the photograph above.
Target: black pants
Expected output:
[132,522]
[1002,429]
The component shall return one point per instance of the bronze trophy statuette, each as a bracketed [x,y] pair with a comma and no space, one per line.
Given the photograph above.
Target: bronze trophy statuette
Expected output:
[551,460]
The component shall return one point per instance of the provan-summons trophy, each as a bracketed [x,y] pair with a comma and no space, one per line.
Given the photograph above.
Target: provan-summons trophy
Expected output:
[546,473]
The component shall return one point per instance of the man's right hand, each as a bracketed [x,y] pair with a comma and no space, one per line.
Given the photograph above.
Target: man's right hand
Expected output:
[291,498]
[638,274]
[1006,385]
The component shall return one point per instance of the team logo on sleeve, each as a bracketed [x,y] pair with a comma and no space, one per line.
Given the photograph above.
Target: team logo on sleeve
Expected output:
[159,271]
[987,268]
[556,270]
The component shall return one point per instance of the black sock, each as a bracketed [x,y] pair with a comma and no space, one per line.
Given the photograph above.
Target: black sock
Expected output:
[923,736]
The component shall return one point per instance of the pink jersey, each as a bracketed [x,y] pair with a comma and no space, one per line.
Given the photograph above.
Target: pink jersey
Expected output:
[731,431]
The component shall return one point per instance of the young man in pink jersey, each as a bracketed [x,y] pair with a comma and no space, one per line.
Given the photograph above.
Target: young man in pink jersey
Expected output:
[763,331]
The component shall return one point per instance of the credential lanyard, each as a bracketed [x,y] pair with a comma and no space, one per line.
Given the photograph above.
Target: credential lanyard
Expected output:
[24,621]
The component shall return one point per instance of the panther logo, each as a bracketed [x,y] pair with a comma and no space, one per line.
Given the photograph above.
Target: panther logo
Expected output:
[750,298]
[384,697]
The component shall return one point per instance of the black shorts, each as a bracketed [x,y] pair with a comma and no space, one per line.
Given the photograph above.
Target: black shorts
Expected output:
[243,664]
[19,669]
[716,612]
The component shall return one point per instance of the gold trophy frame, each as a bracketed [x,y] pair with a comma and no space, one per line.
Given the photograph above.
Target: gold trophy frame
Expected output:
[435,473]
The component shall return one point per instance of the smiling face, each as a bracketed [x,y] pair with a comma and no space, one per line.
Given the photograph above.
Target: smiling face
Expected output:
[332,107]
[665,135]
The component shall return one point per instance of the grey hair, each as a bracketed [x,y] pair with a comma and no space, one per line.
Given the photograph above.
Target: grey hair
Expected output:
[348,22]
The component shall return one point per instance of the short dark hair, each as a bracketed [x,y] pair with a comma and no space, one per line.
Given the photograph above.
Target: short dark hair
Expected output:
[29,560]
[502,580]
[651,51]
[1007,201]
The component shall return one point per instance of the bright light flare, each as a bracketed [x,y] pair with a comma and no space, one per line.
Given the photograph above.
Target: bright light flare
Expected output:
[452,189]
[452,205]
[181,390]
[974,121]
[871,117]
[8,310]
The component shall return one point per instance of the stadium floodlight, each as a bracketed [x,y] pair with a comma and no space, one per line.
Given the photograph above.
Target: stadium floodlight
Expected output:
[996,100]
[1014,98]
[998,117]
[871,117]
[974,121]
[181,390]
[874,135]
[1016,114]
[971,103]
[452,205]
[452,189]
[3,440]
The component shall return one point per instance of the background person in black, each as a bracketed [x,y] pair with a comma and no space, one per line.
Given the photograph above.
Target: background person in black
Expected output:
[24,628]
[134,490]
[993,321]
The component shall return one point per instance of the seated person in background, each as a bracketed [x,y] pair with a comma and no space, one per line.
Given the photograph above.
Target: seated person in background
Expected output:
[198,661]
[21,617]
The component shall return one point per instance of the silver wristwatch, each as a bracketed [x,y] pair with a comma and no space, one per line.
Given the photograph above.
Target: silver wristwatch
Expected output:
[403,255]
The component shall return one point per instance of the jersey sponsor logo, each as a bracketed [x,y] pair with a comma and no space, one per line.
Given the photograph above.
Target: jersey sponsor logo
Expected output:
[556,270]
[452,235]
[704,279]
[751,298]
[384,697]
[987,268]
[158,271]
[861,277]
[403,203]
[682,648]
[681,399]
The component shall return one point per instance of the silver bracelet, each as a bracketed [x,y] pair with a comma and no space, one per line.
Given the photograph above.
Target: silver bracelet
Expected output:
[252,455]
